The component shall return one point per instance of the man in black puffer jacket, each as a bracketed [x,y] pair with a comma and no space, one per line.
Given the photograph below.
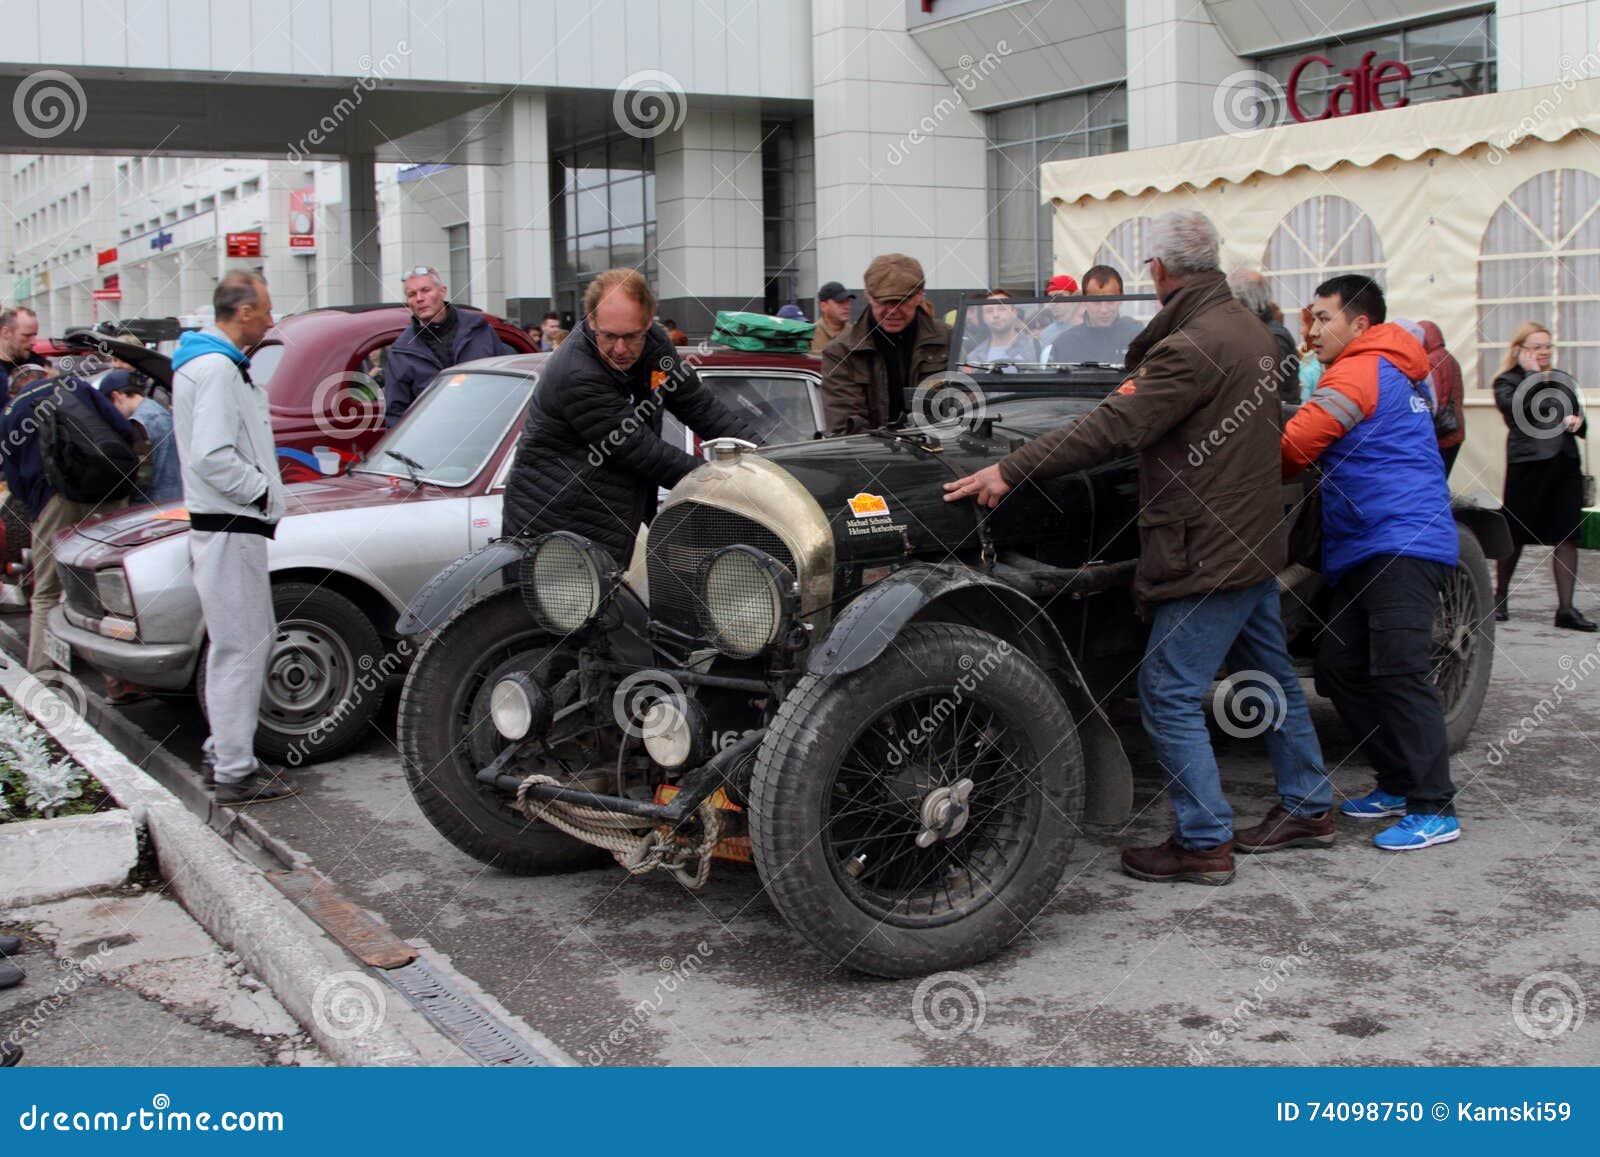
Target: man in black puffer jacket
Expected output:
[591,456]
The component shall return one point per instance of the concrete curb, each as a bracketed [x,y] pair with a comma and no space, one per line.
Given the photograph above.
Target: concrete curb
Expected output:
[233,902]
[45,860]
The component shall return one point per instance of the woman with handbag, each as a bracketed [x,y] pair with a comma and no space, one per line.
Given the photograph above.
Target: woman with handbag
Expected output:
[1544,492]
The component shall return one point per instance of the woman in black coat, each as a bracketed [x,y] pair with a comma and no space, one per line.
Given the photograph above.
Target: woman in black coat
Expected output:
[1544,476]
[591,455]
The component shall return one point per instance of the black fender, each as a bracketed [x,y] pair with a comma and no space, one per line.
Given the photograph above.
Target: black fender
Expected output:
[961,594]
[1482,514]
[457,583]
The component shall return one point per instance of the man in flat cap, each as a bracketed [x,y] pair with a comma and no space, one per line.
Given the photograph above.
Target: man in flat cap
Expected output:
[833,314]
[868,370]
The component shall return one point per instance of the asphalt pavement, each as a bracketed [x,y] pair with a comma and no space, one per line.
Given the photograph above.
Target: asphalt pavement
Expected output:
[1486,951]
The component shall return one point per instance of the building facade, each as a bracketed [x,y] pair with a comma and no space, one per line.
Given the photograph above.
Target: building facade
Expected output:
[738,153]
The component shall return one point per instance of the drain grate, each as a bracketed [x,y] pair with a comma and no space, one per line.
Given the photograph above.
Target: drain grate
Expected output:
[481,1034]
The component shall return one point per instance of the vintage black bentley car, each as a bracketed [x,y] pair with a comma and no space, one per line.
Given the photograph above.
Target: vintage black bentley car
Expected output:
[896,706]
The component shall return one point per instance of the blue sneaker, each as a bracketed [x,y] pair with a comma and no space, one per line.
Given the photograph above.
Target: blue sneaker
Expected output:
[1376,804]
[1418,830]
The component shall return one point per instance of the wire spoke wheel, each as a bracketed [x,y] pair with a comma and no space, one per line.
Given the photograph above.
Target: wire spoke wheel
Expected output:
[917,813]
[930,809]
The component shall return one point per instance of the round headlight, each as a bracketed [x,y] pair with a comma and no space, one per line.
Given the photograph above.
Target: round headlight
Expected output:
[675,732]
[518,706]
[745,600]
[564,581]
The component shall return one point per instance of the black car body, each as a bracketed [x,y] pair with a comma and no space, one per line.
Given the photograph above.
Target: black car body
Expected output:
[900,701]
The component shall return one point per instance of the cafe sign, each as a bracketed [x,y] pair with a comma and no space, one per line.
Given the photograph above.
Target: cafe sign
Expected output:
[1362,90]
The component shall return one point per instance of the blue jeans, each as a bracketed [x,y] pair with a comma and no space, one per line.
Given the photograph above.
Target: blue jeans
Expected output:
[1190,640]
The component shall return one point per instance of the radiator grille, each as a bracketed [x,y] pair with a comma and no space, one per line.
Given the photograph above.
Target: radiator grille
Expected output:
[681,537]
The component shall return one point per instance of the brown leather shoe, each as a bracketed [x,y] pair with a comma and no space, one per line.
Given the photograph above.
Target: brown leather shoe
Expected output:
[1282,830]
[1171,862]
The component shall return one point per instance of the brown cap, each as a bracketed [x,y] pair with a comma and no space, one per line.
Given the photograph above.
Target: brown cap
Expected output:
[893,277]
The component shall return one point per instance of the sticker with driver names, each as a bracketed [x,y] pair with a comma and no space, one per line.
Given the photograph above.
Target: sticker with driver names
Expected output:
[866,505]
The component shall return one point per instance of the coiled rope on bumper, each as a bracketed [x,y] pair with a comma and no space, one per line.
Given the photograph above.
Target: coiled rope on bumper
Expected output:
[635,842]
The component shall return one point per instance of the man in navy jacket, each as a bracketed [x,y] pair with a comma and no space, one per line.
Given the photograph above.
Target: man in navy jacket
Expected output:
[439,336]
[49,513]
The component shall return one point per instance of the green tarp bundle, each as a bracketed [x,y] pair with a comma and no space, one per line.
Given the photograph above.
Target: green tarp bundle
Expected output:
[760,332]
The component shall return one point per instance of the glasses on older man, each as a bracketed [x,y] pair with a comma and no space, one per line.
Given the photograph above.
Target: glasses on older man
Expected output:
[419,271]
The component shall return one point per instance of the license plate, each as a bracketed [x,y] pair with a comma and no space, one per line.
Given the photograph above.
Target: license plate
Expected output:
[58,651]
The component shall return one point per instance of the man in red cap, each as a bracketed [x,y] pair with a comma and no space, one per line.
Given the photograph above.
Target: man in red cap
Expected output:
[1066,313]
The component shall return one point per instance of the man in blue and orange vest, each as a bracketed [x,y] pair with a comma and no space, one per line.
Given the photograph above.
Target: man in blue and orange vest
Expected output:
[1388,545]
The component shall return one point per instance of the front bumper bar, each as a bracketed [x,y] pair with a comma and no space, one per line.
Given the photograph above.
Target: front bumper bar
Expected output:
[694,788]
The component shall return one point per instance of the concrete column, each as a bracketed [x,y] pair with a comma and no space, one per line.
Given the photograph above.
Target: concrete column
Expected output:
[526,278]
[709,247]
[361,201]
[485,238]
[900,159]
[195,277]
[1176,59]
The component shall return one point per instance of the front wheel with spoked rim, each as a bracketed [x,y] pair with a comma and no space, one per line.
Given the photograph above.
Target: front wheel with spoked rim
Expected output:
[916,815]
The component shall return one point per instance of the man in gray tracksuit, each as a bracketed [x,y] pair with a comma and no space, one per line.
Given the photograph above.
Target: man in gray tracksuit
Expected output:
[235,499]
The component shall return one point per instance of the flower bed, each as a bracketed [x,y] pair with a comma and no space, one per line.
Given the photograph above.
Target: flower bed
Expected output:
[37,781]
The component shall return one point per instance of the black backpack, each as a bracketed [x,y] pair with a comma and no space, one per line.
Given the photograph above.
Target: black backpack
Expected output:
[84,457]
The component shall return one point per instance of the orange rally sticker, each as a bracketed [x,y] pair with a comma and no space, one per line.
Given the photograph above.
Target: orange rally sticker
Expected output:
[658,378]
[1127,387]
[176,514]
[869,506]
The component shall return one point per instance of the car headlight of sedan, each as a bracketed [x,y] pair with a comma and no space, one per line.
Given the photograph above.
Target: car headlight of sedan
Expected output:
[111,585]
[748,598]
[567,580]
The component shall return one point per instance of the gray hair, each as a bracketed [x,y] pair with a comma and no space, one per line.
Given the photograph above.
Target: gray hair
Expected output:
[1251,289]
[1186,242]
[237,289]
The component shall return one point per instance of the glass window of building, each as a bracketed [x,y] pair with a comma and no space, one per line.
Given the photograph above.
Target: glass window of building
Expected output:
[1540,261]
[459,269]
[1021,139]
[779,209]
[603,212]
[1447,59]
[1320,237]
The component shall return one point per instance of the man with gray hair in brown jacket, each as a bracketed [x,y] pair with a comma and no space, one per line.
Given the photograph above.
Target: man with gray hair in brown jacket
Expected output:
[1201,411]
